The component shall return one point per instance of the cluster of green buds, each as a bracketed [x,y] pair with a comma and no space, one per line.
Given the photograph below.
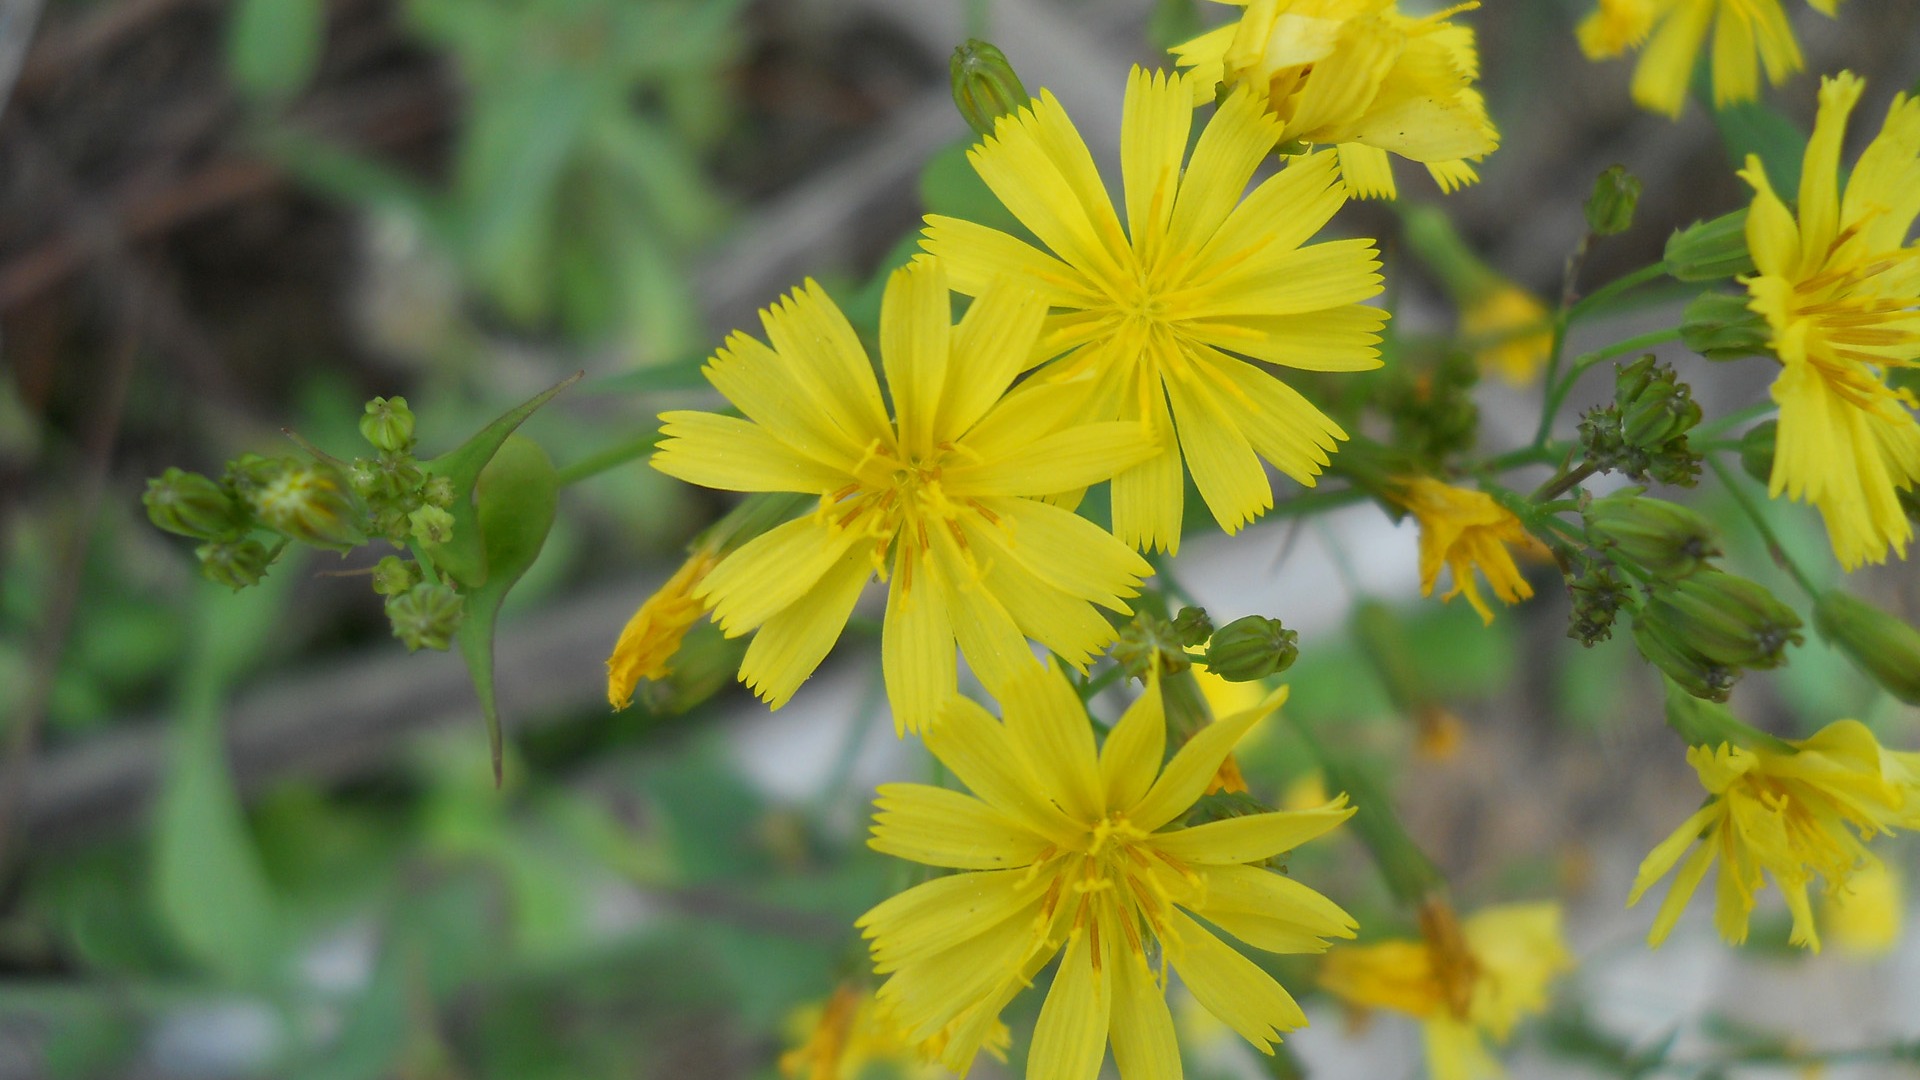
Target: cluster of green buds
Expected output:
[1643,434]
[1430,402]
[1598,596]
[403,503]
[1705,629]
[1149,643]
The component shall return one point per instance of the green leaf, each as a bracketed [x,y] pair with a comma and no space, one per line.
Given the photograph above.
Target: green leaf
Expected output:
[950,187]
[273,46]
[518,494]
[464,557]
[1756,129]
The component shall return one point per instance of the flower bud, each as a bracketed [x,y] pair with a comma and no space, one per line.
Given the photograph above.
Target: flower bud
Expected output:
[308,503]
[388,424]
[1720,326]
[1703,678]
[1251,648]
[1616,193]
[430,525]
[1147,643]
[438,491]
[426,616]
[985,86]
[1598,596]
[1728,620]
[1192,627]
[394,575]
[1710,250]
[1756,450]
[1666,539]
[1879,644]
[234,563]
[1655,406]
[190,504]
[248,474]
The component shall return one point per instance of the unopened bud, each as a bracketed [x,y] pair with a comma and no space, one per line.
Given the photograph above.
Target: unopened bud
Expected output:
[1879,644]
[1655,406]
[394,575]
[426,616]
[1147,643]
[1665,539]
[1192,627]
[1756,450]
[388,424]
[248,474]
[234,563]
[1252,648]
[1729,620]
[1696,674]
[1616,193]
[1720,326]
[189,504]
[430,525]
[1598,596]
[438,491]
[1710,250]
[985,86]
[308,503]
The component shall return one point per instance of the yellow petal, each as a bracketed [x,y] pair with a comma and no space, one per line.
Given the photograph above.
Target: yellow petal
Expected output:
[825,357]
[916,646]
[1366,172]
[1238,138]
[1148,498]
[1736,72]
[1675,903]
[1070,553]
[771,572]
[1224,466]
[1285,211]
[731,454]
[991,345]
[1047,727]
[1660,81]
[1186,777]
[1283,427]
[1135,747]
[1252,838]
[1062,461]
[915,333]
[1069,626]
[1067,208]
[1232,987]
[1274,901]
[1156,117]
[1144,1044]
[975,746]
[1311,278]
[1343,338]
[764,386]
[1667,852]
[1819,173]
[945,828]
[991,641]
[1070,1038]
[792,643]
[1773,237]
[976,256]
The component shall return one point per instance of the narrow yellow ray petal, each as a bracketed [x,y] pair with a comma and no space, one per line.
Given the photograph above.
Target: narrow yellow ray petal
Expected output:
[1274,898]
[1062,461]
[1283,427]
[1186,777]
[975,746]
[1047,726]
[1157,115]
[936,915]
[1819,173]
[1071,553]
[915,343]
[1224,466]
[1736,71]
[976,255]
[1773,237]
[1345,338]
[825,356]
[1016,163]
[791,644]
[771,572]
[1667,852]
[731,454]
[762,385]
[991,345]
[995,649]
[1135,747]
[1251,838]
[1233,144]
[1148,498]
[1232,987]
[1285,211]
[1144,1044]
[1070,1038]
[1666,65]
[916,644]
[1069,626]
[1311,278]
[1684,883]
[945,828]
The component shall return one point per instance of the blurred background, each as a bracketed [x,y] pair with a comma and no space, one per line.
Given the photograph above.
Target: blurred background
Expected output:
[246,835]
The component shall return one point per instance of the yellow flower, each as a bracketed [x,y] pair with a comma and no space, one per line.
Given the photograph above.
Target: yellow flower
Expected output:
[653,635]
[1144,314]
[1865,916]
[1747,35]
[1066,848]
[1509,331]
[1789,814]
[1465,530]
[1358,74]
[852,1032]
[1840,289]
[942,501]
[1465,983]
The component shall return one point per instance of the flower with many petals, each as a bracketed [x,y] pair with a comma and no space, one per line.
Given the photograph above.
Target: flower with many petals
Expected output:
[1839,285]
[1465,983]
[943,500]
[1789,809]
[1465,530]
[1065,849]
[1747,36]
[1359,75]
[1151,315]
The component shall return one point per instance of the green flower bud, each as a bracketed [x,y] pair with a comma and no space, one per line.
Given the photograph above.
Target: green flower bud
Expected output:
[1710,250]
[1598,596]
[426,616]
[1729,620]
[985,86]
[1655,406]
[388,424]
[1697,675]
[1720,326]
[1616,193]
[189,504]
[1666,539]
[438,491]
[1879,644]
[394,575]
[1756,450]
[308,503]
[248,474]
[430,525]
[1251,648]
[1147,642]
[234,563]
[1192,627]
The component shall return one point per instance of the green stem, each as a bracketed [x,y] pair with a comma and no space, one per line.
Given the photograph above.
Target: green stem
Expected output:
[1563,483]
[1613,289]
[1557,391]
[1752,510]
[425,563]
[1733,419]
[610,458]
[1526,455]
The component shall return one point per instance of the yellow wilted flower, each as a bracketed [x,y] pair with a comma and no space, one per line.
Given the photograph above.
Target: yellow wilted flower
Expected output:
[942,501]
[1509,331]
[1747,35]
[1465,983]
[1465,530]
[1065,848]
[1149,315]
[1359,74]
[1791,812]
[653,635]
[851,1032]
[1840,289]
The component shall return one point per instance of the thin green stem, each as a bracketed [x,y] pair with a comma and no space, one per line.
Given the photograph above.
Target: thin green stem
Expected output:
[1752,510]
[612,457]
[1557,391]
[1564,483]
[1614,289]
[426,564]
[1733,419]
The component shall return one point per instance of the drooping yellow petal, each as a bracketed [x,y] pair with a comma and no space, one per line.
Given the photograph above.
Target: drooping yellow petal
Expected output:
[652,636]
